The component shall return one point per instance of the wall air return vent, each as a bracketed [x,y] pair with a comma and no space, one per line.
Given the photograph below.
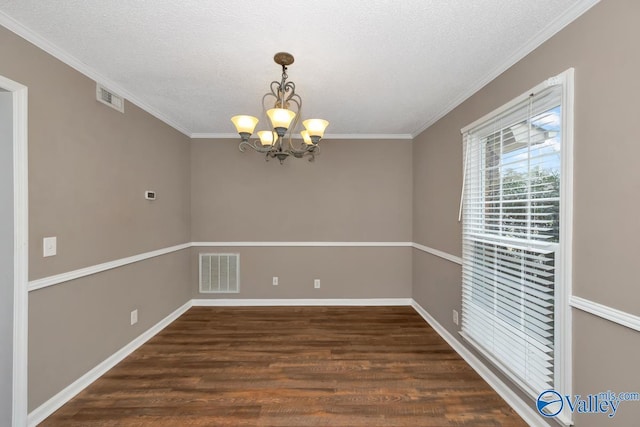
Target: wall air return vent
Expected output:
[220,273]
[109,98]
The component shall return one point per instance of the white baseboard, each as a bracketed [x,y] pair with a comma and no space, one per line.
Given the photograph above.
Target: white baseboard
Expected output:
[305,244]
[300,302]
[50,406]
[528,414]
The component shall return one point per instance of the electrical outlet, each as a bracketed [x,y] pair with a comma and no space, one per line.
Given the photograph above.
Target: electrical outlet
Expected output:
[49,246]
[316,283]
[275,281]
[134,317]
[455,317]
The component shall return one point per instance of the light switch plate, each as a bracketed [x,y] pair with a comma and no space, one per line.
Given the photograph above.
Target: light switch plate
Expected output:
[49,246]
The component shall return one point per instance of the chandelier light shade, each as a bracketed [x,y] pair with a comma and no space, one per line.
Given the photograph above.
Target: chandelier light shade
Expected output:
[245,124]
[315,128]
[284,115]
[267,138]
[306,138]
[280,119]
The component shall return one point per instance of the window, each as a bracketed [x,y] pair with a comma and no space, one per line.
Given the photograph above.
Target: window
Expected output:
[516,215]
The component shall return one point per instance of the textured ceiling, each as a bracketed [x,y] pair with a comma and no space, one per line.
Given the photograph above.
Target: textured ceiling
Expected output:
[376,67]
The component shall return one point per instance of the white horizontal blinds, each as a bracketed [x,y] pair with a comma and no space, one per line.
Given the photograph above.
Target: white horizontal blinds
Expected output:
[510,213]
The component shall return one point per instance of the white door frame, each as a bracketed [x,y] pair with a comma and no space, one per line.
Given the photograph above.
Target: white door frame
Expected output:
[20,251]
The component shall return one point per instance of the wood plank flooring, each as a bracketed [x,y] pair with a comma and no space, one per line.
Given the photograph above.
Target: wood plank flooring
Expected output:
[291,367]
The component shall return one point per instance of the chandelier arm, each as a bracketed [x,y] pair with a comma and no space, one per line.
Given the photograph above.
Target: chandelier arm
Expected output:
[254,146]
[285,96]
[289,86]
[244,144]
[297,100]
[302,150]
[312,153]
[275,87]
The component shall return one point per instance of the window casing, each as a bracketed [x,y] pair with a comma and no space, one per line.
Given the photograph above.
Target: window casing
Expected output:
[516,213]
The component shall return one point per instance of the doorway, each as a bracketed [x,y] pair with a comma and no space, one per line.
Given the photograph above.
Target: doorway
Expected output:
[13,253]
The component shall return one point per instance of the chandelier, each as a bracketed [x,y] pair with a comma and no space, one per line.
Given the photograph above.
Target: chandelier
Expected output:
[284,116]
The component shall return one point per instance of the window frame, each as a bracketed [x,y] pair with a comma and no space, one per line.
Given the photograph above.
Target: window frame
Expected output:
[563,277]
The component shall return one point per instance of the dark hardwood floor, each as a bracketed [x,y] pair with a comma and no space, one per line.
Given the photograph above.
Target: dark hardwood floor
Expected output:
[291,367]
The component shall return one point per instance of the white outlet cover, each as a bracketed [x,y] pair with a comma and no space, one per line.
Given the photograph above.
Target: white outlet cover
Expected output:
[134,317]
[275,281]
[316,283]
[49,246]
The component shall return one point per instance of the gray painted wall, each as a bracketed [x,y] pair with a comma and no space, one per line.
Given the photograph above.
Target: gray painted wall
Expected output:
[6,256]
[355,191]
[602,47]
[356,272]
[89,166]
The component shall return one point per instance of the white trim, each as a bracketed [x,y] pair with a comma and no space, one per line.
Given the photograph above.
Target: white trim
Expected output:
[372,302]
[520,406]
[302,244]
[87,271]
[20,250]
[56,402]
[406,136]
[203,135]
[561,21]
[438,253]
[612,314]
[58,53]
[524,96]
[563,371]
[50,406]
[563,346]
[525,410]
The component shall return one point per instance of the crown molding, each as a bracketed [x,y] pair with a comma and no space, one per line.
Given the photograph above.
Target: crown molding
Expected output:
[328,136]
[205,135]
[369,136]
[561,21]
[73,62]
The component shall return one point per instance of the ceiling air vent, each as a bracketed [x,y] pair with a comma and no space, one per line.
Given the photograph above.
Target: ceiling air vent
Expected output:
[109,98]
